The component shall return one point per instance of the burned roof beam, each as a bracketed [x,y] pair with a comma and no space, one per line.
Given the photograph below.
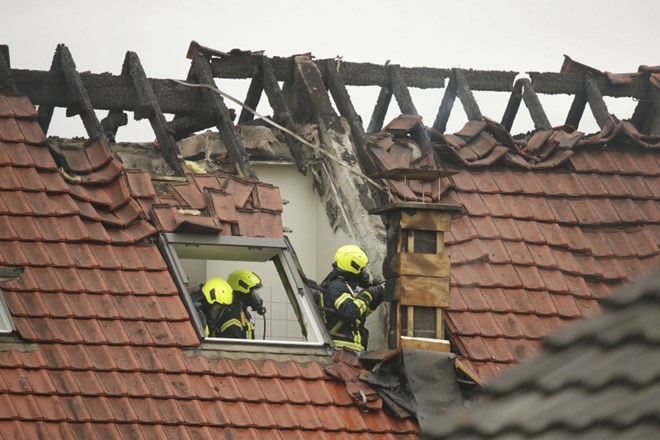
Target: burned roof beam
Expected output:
[654,129]
[281,113]
[225,126]
[148,108]
[7,83]
[512,106]
[81,105]
[577,110]
[380,109]
[402,95]
[458,86]
[596,101]
[253,96]
[45,88]
[368,74]
[183,126]
[343,101]
[524,90]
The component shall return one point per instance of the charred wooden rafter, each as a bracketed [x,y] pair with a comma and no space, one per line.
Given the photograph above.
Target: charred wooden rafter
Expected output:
[523,90]
[148,107]
[380,109]
[281,112]
[457,86]
[402,96]
[47,90]
[225,126]
[7,83]
[81,105]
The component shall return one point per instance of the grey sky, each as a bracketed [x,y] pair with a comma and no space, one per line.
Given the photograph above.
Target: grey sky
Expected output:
[517,35]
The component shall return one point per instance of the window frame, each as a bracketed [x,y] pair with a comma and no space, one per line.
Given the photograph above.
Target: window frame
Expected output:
[7,273]
[174,246]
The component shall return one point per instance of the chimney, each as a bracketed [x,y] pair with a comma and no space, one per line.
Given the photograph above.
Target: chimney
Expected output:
[416,269]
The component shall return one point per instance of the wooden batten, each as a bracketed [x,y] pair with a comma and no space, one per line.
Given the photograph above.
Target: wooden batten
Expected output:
[428,344]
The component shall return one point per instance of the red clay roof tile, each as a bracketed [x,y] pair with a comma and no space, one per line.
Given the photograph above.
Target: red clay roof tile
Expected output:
[497,205]
[10,131]
[485,227]
[499,350]
[496,299]
[530,277]
[31,132]
[542,303]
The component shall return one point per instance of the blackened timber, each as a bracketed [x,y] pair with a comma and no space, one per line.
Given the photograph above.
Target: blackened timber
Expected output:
[512,106]
[45,112]
[446,105]
[402,95]
[577,110]
[534,106]
[7,83]
[82,105]
[183,126]
[345,105]
[566,83]
[467,98]
[105,91]
[654,129]
[380,109]
[253,96]
[596,101]
[149,108]
[225,125]
[281,113]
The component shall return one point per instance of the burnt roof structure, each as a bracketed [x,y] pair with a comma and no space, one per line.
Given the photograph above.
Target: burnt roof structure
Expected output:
[548,224]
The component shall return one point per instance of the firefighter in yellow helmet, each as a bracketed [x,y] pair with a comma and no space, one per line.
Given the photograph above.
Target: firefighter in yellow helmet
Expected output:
[246,285]
[349,297]
[220,314]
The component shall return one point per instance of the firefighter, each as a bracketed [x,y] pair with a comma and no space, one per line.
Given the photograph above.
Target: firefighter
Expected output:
[220,314]
[246,285]
[348,297]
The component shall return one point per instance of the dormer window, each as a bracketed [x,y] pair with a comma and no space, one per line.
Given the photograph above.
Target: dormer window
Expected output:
[291,317]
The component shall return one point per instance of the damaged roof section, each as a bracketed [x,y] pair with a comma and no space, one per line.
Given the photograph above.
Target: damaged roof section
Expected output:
[107,348]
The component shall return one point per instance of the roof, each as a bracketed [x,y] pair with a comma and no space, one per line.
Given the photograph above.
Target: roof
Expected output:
[597,379]
[552,222]
[106,346]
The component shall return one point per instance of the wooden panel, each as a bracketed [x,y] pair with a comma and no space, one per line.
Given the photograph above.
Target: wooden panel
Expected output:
[426,220]
[430,265]
[422,291]
[425,344]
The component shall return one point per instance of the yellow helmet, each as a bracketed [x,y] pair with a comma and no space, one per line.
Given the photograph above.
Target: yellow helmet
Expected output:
[351,258]
[217,290]
[243,280]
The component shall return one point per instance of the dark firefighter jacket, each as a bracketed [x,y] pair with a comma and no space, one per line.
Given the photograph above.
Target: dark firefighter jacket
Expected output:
[228,325]
[345,311]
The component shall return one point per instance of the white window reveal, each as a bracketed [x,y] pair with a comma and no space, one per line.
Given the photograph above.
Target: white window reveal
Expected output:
[291,319]
[6,323]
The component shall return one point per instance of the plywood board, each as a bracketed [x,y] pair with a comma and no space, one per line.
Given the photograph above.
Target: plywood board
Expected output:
[426,220]
[430,265]
[422,291]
